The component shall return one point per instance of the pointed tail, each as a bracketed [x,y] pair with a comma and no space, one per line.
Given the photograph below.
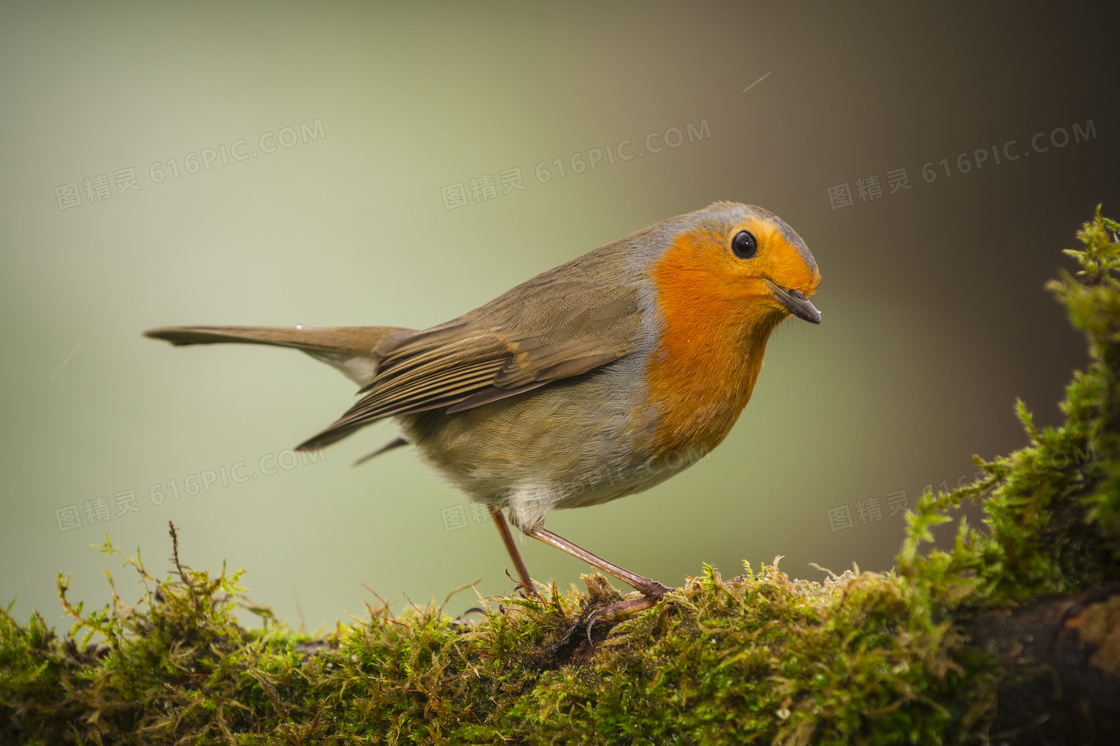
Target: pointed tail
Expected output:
[350,349]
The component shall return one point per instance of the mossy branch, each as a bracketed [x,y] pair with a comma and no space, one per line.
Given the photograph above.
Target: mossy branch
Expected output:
[1012,633]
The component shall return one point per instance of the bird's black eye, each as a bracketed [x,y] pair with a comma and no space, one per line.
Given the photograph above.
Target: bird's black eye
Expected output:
[745,245]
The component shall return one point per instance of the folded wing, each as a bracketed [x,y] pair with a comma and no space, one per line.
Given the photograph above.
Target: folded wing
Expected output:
[545,330]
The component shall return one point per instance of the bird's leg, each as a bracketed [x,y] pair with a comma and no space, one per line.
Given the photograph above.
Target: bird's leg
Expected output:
[511,547]
[651,589]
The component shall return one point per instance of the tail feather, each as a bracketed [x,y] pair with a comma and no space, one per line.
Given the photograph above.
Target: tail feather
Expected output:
[350,349]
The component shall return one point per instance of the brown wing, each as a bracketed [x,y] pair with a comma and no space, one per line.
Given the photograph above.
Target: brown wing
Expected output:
[542,331]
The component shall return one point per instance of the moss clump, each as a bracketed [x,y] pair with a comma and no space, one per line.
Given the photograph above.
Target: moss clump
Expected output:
[860,658]
[756,656]
[1052,509]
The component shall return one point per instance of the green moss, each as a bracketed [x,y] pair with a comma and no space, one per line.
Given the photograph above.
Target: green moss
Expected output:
[1052,509]
[756,656]
[861,657]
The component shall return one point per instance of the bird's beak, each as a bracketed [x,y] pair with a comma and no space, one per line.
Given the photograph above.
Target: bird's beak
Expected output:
[798,304]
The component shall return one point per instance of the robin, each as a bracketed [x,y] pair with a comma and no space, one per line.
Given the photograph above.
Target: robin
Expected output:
[594,380]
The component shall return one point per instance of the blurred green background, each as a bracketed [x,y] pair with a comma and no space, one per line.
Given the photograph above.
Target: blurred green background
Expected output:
[332,167]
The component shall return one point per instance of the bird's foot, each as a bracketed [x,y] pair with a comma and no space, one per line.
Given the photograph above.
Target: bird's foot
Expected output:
[614,613]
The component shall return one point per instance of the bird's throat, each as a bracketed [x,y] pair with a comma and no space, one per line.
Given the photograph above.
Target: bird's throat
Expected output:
[709,353]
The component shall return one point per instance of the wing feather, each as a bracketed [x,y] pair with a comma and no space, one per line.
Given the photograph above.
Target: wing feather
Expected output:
[563,323]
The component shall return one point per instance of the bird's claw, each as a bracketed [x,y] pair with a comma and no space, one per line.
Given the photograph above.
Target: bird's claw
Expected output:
[619,610]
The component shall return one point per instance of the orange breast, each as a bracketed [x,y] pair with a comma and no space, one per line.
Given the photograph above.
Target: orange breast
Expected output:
[712,339]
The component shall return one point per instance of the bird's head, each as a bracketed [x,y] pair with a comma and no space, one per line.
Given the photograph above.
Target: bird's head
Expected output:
[733,267]
[724,277]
